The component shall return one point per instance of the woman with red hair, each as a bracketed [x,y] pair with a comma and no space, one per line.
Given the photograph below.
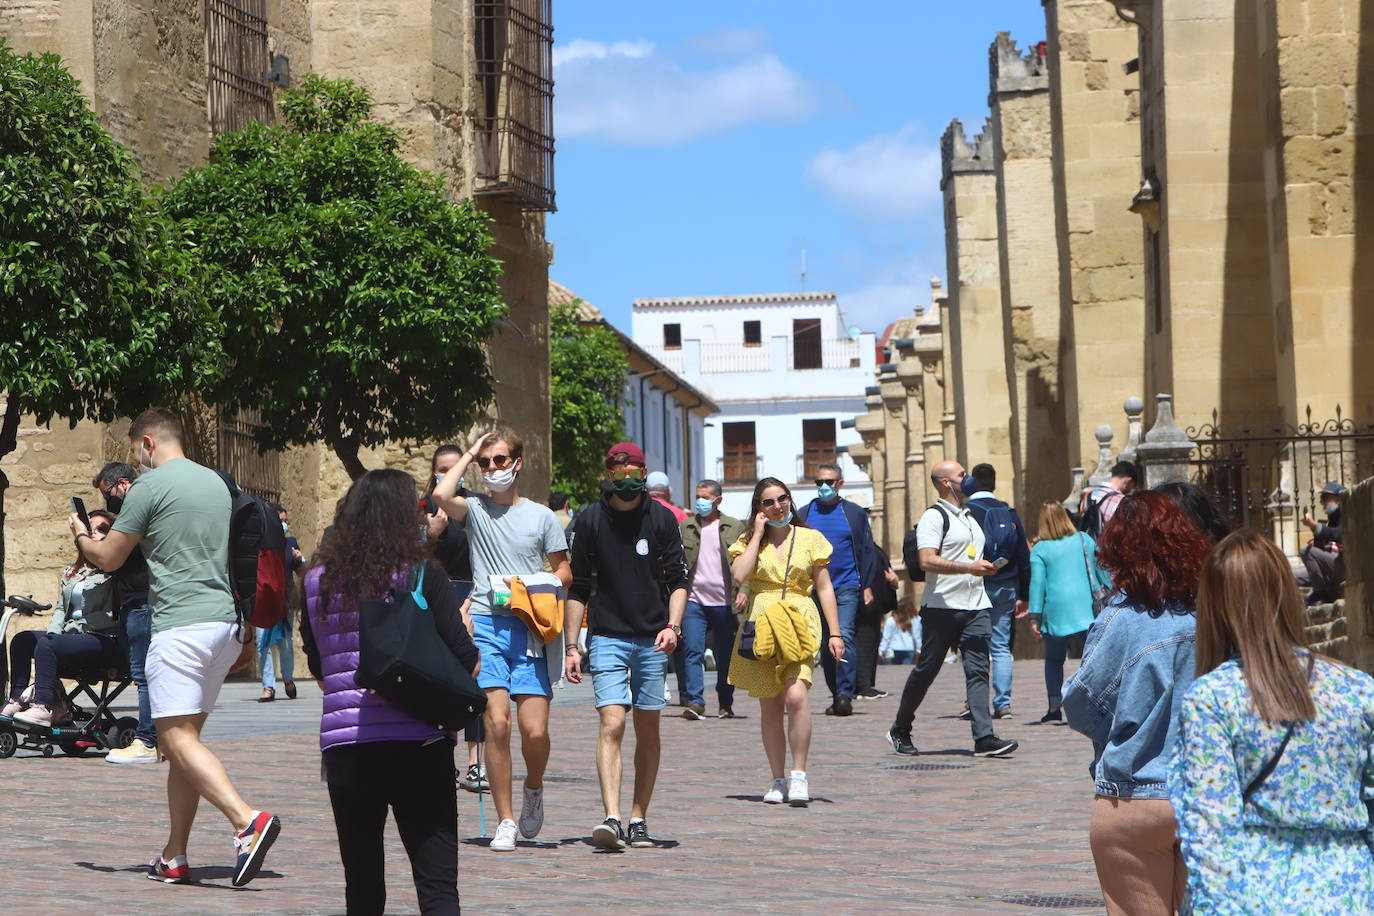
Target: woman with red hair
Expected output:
[1137,664]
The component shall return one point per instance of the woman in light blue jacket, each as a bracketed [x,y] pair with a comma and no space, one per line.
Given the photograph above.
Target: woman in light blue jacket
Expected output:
[1064,577]
[1126,697]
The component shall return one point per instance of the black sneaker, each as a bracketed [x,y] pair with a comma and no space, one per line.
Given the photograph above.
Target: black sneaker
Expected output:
[609,835]
[871,693]
[993,746]
[1054,715]
[966,715]
[725,713]
[694,711]
[901,742]
[638,835]
[1003,713]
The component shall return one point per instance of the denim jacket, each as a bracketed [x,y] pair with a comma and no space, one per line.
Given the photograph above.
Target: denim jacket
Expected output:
[1127,694]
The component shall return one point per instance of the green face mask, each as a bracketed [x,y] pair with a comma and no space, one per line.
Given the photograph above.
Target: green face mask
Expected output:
[628,487]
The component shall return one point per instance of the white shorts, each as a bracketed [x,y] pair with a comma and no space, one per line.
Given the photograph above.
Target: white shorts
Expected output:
[187,665]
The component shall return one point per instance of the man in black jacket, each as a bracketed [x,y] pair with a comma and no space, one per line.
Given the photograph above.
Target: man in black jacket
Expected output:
[629,548]
[1322,559]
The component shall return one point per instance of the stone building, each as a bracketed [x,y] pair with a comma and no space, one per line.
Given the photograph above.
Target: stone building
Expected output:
[470,86]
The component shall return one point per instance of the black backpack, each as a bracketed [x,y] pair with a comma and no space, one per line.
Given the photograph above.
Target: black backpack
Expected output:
[257,559]
[911,556]
[1090,521]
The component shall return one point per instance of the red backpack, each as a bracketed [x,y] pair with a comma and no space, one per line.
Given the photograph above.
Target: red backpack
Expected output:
[257,559]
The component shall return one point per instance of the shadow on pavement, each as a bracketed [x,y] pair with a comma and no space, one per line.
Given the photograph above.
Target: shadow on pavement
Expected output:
[201,876]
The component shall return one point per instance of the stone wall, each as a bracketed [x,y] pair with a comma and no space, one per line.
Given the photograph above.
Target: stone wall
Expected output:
[1345,630]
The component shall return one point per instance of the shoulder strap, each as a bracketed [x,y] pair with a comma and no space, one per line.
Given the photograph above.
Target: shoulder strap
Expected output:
[1267,770]
[787,566]
[944,518]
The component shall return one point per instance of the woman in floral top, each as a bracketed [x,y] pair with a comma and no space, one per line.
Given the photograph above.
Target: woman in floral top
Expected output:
[1300,840]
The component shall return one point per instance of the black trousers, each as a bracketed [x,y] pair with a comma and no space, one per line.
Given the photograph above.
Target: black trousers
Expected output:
[867,635]
[416,783]
[48,653]
[941,630]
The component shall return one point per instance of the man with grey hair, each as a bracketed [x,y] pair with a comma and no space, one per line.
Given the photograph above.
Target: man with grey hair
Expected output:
[712,599]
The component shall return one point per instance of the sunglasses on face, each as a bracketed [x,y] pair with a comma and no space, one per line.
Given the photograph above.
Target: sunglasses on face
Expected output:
[625,473]
[101,529]
[827,481]
[779,501]
[495,461]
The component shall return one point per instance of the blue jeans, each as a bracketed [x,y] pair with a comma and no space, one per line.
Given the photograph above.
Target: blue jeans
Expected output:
[1056,650]
[281,636]
[840,678]
[720,620]
[136,629]
[1003,598]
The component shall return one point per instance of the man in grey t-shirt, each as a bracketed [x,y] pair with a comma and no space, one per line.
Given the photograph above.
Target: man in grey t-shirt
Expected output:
[509,536]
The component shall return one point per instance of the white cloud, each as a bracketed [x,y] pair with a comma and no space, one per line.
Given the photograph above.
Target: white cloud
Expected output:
[636,94]
[888,177]
[893,291]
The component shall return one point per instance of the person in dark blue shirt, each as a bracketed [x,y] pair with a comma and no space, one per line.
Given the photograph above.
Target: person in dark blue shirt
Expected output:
[854,567]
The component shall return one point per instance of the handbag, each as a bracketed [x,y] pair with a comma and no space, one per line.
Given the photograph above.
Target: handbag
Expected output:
[1099,595]
[749,632]
[1265,771]
[402,657]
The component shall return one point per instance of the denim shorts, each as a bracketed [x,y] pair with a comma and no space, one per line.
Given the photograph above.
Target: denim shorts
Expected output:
[627,671]
[502,640]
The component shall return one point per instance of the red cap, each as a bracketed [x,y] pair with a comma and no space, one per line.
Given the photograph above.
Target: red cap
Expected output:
[625,453]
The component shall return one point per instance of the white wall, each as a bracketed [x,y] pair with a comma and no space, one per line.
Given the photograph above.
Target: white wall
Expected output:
[725,323]
[654,420]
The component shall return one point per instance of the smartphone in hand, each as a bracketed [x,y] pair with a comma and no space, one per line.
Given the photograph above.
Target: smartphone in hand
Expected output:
[79,507]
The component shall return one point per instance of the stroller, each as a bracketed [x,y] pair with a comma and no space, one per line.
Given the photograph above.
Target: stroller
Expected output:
[97,728]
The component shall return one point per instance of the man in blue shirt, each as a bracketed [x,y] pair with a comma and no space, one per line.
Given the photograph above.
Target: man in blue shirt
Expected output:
[1009,587]
[854,567]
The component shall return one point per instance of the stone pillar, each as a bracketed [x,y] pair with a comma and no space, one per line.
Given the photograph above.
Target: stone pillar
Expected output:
[1167,448]
[895,435]
[1031,300]
[982,400]
[872,427]
[1080,483]
[1102,472]
[1134,408]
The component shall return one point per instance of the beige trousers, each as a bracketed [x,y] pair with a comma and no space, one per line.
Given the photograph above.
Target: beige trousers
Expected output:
[1139,864]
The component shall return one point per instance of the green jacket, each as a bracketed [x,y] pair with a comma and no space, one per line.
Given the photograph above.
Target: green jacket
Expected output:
[97,614]
[730,531]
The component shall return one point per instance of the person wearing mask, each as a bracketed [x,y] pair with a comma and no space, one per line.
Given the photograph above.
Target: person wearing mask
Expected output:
[279,636]
[377,755]
[1322,559]
[1064,578]
[135,617]
[954,613]
[1273,775]
[82,632]
[783,562]
[450,543]
[1006,546]
[712,601]
[179,512]
[662,493]
[854,568]
[629,548]
[510,535]
[1126,694]
[1100,503]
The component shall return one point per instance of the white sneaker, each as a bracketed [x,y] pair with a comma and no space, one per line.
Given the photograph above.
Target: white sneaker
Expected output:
[798,793]
[136,752]
[777,794]
[532,813]
[504,841]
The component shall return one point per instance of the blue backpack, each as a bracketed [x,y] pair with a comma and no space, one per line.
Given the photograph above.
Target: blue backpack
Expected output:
[1001,528]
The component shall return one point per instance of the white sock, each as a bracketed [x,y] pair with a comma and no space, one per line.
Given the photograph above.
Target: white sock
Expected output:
[636,820]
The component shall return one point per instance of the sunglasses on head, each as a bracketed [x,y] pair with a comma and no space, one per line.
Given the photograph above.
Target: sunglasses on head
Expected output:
[779,501]
[625,473]
[494,461]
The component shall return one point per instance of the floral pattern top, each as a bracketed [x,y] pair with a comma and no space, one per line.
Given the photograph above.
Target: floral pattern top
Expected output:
[1303,842]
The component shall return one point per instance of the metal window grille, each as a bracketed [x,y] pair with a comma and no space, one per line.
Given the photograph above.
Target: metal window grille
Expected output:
[237,63]
[514,41]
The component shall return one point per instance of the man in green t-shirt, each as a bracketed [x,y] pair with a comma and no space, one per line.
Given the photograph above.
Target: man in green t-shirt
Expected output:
[179,513]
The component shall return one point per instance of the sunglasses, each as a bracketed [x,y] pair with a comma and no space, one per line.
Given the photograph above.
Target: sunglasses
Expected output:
[495,461]
[779,501]
[101,529]
[625,473]
[827,481]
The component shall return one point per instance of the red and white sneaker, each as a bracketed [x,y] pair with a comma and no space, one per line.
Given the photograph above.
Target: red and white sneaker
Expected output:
[176,871]
[252,844]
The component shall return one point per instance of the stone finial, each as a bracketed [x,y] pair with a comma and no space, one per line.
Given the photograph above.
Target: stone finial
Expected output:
[1011,71]
[1133,407]
[1075,491]
[958,155]
[1100,475]
[1166,448]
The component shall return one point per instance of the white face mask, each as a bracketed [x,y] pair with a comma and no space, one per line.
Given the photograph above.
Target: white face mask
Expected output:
[145,462]
[500,481]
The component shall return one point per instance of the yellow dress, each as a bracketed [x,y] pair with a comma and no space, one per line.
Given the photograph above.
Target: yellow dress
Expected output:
[811,550]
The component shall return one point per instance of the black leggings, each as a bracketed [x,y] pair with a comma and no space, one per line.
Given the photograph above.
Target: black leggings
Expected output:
[416,783]
[46,652]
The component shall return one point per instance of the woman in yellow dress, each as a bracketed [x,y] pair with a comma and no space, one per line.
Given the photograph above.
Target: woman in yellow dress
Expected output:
[781,559]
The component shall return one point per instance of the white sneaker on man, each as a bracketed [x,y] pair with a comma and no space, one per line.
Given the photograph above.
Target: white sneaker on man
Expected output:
[798,792]
[136,752]
[504,841]
[532,813]
[778,794]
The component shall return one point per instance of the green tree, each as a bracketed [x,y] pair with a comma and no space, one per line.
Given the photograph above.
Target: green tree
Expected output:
[587,369]
[355,297]
[92,288]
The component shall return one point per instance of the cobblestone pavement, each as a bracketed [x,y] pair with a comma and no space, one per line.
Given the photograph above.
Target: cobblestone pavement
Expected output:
[954,834]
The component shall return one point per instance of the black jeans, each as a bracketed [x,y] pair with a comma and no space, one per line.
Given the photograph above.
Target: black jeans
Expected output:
[47,652]
[941,630]
[868,631]
[416,783]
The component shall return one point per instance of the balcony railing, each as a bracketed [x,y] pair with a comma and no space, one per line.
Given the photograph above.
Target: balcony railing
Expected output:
[709,358]
[515,124]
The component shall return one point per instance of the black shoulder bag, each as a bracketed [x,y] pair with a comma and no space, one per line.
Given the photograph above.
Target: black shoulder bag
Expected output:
[1267,770]
[402,657]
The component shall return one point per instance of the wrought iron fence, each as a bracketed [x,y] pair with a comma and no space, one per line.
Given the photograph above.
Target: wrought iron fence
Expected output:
[514,44]
[237,63]
[1267,479]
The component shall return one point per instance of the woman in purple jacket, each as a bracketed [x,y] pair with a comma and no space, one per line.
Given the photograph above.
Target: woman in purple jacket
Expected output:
[377,755]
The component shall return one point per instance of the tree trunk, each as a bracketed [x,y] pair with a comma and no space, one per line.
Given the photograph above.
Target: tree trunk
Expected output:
[346,448]
[9,441]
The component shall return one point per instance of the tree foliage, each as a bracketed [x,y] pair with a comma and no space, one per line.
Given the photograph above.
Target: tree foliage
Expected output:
[587,369]
[355,297]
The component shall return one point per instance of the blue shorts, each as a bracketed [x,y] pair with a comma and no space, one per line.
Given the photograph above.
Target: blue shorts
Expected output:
[502,640]
[626,671]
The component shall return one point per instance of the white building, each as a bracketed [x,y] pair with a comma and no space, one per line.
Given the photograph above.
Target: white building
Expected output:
[784,371]
[664,415]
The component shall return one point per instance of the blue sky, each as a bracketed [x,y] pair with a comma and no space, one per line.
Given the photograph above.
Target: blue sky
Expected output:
[702,147]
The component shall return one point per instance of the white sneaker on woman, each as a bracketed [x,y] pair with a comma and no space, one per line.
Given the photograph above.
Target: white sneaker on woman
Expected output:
[798,793]
[777,794]
[504,841]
